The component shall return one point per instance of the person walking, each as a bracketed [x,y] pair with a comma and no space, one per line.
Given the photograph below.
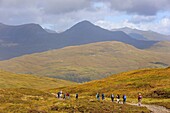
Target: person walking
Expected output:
[124,99]
[98,96]
[112,97]
[77,96]
[64,97]
[103,96]
[139,99]
[118,98]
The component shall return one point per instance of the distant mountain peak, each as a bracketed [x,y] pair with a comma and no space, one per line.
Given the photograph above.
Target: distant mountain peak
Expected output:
[84,23]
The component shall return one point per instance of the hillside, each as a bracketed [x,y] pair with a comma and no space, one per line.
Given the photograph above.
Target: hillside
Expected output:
[11,80]
[86,62]
[154,84]
[150,82]
[162,47]
[24,100]
[32,38]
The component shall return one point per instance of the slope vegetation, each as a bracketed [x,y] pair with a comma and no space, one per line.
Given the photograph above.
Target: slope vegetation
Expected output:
[87,62]
[11,80]
[154,84]
[25,100]
[150,82]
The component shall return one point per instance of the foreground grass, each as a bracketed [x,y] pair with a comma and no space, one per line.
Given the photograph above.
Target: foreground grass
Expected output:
[154,84]
[33,101]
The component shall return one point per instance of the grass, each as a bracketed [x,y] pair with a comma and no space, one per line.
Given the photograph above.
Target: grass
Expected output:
[12,80]
[24,100]
[87,62]
[152,83]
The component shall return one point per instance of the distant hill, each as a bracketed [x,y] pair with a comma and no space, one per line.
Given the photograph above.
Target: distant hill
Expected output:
[162,47]
[11,80]
[153,83]
[144,35]
[31,38]
[87,62]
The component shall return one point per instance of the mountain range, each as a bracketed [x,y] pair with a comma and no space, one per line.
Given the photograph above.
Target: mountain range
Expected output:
[144,35]
[31,38]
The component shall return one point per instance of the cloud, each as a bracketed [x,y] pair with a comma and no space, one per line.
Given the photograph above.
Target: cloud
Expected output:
[140,7]
[137,19]
[59,15]
[161,26]
[64,6]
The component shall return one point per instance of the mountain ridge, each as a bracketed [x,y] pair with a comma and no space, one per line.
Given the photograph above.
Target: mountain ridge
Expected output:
[31,40]
[144,35]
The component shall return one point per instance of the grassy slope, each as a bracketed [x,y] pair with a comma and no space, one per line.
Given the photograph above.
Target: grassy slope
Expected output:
[33,101]
[152,83]
[11,80]
[86,62]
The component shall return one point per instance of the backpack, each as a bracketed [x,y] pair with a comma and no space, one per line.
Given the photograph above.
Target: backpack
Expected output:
[140,97]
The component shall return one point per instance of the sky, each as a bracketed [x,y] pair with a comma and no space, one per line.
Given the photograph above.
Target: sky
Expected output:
[60,15]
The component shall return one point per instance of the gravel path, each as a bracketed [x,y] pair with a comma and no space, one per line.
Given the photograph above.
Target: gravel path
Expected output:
[154,108]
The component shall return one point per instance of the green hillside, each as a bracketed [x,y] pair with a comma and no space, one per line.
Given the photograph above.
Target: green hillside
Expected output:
[11,80]
[87,62]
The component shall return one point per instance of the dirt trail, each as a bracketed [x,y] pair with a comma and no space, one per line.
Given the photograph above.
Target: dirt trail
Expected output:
[154,108]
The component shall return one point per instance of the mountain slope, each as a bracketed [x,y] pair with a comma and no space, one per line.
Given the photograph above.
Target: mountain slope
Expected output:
[162,47]
[144,35]
[11,80]
[86,62]
[85,32]
[150,82]
[31,38]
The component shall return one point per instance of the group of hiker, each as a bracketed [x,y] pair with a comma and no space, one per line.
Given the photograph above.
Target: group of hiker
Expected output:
[112,97]
[62,95]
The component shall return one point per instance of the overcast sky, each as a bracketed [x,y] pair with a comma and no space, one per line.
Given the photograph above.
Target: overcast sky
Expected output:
[59,15]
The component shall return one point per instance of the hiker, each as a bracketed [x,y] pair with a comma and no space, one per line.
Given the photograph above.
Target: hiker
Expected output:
[64,97]
[124,99]
[118,98]
[68,95]
[58,94]
[98,96]
[102,96]
[77,96]
[61,94]
[139,99]
[112,97]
